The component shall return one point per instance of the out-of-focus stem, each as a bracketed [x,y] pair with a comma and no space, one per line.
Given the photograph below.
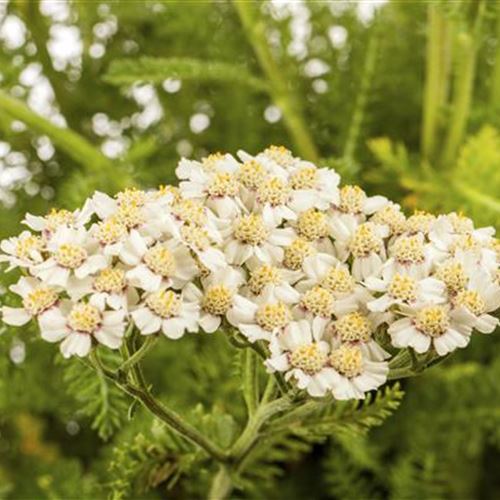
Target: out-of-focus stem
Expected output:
[279,87]
[362,96]
[495,79]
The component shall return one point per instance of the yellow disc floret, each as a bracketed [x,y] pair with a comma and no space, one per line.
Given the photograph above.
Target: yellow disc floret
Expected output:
[432,320]
[318,301]
[471,300]
[347,360]
[392,217]
[110,280]
[196,237]
[313,224]
[250,229]
[452,274]
[273,316]
[308,358]
[70,256]
[419,222]
[26,245]
[296,252]
[263,276]
[131,196]
[365,241]
[217,300]
[191,211]
[353,327]
[56,218]
[403,287]
[280,155]
[110,231]
[305,178]
[160,260]
[409,250]
[251,174]
[84,318]
[223,184]
[164,303]
[352,199]
[274,191]
[338,280]
[39,300]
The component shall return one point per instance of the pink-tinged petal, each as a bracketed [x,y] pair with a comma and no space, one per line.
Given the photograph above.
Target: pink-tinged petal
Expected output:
[53,325]
[15,316]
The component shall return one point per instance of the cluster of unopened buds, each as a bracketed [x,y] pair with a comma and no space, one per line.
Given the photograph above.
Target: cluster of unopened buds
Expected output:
[331,282]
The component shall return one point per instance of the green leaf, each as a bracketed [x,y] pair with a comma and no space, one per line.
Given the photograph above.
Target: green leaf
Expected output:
[156,70]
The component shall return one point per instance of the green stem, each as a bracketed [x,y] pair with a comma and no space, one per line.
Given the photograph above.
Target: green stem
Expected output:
[250,379]
[165,414]
[495,79]
[362,95]
[138,354]
[464,83]
[279,85]
[221,485]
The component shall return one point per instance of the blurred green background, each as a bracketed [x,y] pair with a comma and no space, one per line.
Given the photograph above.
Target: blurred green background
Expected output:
[400,97]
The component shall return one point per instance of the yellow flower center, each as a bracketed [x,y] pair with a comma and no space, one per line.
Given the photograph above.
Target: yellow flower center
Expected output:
[223,184]
[263,276]
[466,242]
[217,300]
[131,196]
[191,211]
[305,178]
[110,280]
[452,274]
[297,252]
[164,190]
[318,301]
[164,303]
[160,260]
[312,224]
[84,318]
[250,229]
[56,218]
[209,163]
[460,223]
[196,237]
[347,360]
[251,174]
[409,250]
[273,191]
[352,199]
[26,245]
[391,217]
[70,256]
[338,280]
[353,327]
[403,288]
[419,222]
[280,155]
[471,300]
[130,215]
[432,320]
[110,231]
[364,241]
[308,358]
[39,300]
[272,316]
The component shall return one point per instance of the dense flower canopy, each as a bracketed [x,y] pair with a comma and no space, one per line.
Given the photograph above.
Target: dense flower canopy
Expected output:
[332,281]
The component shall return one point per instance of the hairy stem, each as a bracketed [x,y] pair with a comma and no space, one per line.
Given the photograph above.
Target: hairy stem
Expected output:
[137,356]
[279,86]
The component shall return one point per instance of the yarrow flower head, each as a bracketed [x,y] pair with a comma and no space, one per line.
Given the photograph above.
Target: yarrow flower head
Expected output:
[327,281]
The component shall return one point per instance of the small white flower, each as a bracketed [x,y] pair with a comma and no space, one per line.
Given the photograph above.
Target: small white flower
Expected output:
[217,296]
[49,224]
[22,251]
[432,325]
[38,298]
[72,253]
[354,201]
[166,311]
[75,325]
[301,352]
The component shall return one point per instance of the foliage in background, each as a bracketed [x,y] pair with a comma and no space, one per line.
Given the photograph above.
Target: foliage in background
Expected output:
[405,102]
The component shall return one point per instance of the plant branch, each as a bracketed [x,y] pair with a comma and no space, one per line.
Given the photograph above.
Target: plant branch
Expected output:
[279,86]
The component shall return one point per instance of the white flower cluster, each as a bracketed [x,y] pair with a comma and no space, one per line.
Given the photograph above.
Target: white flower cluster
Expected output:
[270,244]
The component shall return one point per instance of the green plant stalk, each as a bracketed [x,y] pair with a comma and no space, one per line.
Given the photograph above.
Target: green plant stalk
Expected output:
[221,484]
[362,95]
[495,78]
[279,88]
[465,73]
[137,356]
[165,414]
[436,77]
[250,380]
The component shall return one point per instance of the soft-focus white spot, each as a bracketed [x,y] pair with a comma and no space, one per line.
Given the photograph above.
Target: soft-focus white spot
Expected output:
[65,46]
[58,11]
[320,86]
[272,114]
[184,148]
[31,188]
[338,36]
[12,32]
[113,148]
[172,85]
[47,192]
[366,10]
[30,75]
[143,94]
[72,427]
[97,50]
[44,149]
[17,126]
[4,148]
[17,352]
[316,67]
[199,122]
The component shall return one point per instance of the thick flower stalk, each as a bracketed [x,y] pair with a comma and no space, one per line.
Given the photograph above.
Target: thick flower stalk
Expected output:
[328,282]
